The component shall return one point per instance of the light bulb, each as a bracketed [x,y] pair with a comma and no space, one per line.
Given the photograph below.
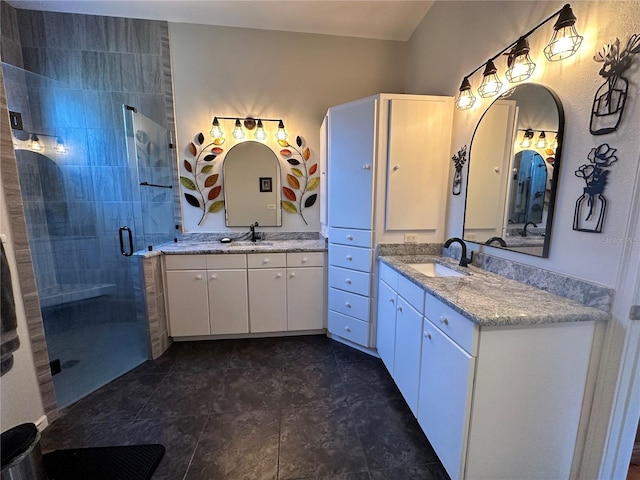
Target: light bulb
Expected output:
[521,66]
[491,84]
[281,134]
[60,147]
[565,40]
[542,141]
[216,131]
[260,133]
[526,139]
[238,133]
[36,146]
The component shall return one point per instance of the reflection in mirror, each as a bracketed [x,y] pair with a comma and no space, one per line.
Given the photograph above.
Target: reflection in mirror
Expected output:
[252,186]
[513,166]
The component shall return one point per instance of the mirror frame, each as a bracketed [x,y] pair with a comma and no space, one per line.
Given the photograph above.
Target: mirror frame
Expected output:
[554,181]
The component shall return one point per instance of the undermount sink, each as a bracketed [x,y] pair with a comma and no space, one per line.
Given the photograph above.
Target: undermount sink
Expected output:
[435,269]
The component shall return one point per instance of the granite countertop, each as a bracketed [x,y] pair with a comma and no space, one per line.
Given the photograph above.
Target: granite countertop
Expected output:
[244,246]
[488,299]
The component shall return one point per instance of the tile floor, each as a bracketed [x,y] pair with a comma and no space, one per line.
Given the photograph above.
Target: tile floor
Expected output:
[275,408]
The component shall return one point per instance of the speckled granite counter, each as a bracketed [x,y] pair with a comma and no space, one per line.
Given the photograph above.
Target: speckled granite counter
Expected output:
[262,246]
[488,299]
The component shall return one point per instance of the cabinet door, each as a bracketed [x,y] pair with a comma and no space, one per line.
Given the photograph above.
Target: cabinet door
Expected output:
[446,380]
[352,134]
[305,298]
[386,340]
[267,300]
[406,367]
[418,162]
[188,302]
[228,301]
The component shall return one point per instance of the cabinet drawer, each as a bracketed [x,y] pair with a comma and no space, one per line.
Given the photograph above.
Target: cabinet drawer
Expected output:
[349,328]
[355,258]
[185,262]
[345,236]
[452,323]
[349,304]
[224,261]
[350,280]
[266,260]
[412,293]
[305,259]
[389,275]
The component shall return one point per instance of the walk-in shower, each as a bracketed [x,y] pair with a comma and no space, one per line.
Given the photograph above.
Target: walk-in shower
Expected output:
[96,188]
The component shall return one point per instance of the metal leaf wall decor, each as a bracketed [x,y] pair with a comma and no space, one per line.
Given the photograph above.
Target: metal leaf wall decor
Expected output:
[301,190]
[200,180]
[611,97]
[458,160]
[591,207]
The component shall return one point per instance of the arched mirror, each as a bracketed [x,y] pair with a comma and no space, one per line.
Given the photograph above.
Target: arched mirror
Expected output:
[513,171]
[252,186]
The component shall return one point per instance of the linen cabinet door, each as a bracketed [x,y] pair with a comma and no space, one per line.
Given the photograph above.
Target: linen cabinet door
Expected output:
[267,300]
[305,298]
[446,381]
[188,302]
[386,331]
[228,301]
[406,367]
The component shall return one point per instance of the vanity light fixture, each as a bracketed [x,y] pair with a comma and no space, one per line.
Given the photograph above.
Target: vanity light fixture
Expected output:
[565,40]
[466,99]
[564,43]
[542,140]
[491,84]
[248,123]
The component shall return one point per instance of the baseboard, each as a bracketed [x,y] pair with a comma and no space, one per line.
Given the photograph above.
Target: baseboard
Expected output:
[42,423]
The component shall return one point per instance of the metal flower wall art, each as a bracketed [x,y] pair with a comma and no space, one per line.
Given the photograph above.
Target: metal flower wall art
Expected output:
[458,160]
[200,181]
[299,193]
[610,98]
[591,207]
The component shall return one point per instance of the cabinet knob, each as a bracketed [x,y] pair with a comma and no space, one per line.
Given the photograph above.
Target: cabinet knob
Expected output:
[278,275]
[213,277]
[367,167]
[266,260]
[349,258]
[392,300]
[347,304]
[396,167]
[349,237]
[292,274]
[347,329]
[198,277]
[427,335]
[304,260]
[348,281]
[444,320]
[400,309]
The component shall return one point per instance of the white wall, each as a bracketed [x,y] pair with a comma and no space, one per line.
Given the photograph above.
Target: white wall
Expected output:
[223,71]
[456,37]
[19,394]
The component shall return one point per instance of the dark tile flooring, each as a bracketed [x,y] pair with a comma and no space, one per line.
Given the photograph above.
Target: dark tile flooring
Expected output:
[274,408]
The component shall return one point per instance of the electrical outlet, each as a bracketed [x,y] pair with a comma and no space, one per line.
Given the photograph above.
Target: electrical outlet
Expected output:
[410,238]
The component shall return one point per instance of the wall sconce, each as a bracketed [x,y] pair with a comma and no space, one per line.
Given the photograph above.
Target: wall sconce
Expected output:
[542,140]
[491,84]
[564,43]
[248,123]
[526,139]
[465,97]
[520,64]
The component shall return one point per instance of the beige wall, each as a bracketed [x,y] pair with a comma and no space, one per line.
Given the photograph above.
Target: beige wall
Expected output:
[455,37]
[227,71]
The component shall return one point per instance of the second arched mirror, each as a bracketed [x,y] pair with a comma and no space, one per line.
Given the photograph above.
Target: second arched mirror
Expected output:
[252,186]
[513,171]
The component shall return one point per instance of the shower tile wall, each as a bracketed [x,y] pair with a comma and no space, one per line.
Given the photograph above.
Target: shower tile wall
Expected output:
[101,63]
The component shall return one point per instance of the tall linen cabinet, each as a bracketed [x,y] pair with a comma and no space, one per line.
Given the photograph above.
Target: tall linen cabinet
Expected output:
[387,165]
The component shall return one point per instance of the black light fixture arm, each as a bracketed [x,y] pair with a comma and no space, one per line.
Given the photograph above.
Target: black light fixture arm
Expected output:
[513,44]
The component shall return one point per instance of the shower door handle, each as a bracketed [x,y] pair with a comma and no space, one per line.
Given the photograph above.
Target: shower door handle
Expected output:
[122,250]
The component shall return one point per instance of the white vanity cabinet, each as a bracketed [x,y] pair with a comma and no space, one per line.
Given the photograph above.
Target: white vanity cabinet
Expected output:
[387,167]
[221,294]
[206,294]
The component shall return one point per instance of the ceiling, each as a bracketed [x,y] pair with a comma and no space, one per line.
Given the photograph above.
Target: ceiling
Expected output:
[385,20]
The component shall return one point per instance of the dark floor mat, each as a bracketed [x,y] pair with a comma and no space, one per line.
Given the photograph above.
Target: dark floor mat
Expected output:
[133,462]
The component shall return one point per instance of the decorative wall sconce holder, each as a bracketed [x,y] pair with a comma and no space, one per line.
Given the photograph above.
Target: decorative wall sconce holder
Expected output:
[459,160]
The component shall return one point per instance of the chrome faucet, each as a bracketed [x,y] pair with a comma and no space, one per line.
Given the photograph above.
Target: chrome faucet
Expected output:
[464,261]
[254,237]
[500,240]
[524,229]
